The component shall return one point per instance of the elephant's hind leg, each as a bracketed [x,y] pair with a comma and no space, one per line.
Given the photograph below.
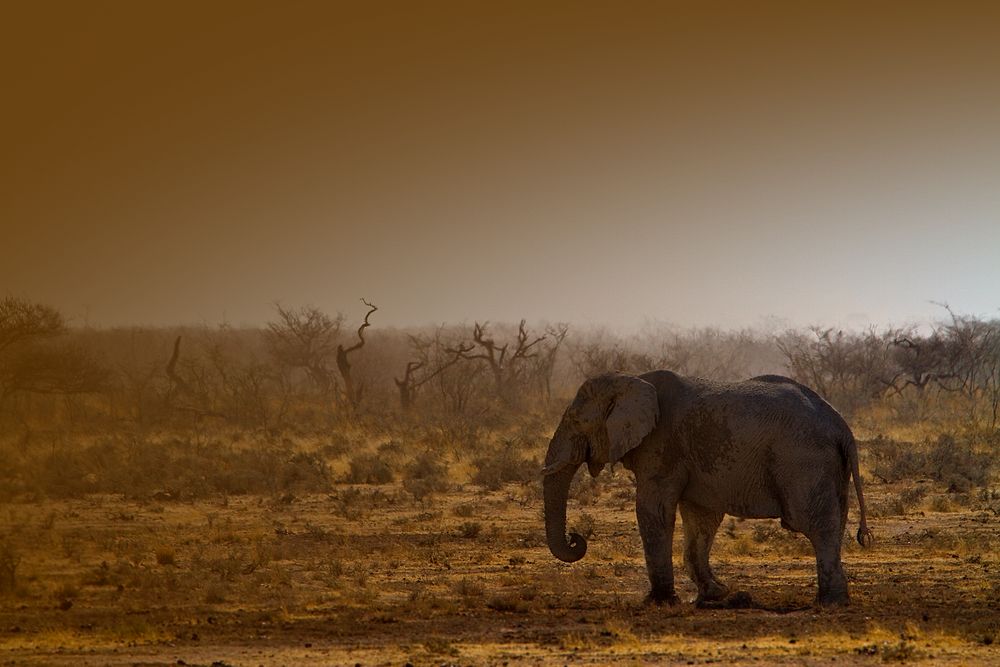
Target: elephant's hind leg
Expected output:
[700,527]
[826,533]
[829,569]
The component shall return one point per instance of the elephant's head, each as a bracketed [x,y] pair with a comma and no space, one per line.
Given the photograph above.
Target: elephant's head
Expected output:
[610,416]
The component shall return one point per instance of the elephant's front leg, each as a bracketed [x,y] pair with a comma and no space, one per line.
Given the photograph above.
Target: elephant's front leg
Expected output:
[700,526]
[655,510]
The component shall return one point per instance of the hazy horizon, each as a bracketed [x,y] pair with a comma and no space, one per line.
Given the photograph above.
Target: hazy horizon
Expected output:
[701,164]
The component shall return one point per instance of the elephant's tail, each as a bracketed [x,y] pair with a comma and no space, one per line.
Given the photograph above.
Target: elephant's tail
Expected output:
[864,536]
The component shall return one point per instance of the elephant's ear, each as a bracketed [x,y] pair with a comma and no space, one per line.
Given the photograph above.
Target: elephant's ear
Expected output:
[634,411]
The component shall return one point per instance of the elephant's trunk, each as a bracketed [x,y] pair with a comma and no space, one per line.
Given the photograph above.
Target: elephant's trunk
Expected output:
[556,487]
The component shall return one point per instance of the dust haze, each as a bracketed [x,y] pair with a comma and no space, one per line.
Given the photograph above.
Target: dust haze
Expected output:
[294,298]
[700,165]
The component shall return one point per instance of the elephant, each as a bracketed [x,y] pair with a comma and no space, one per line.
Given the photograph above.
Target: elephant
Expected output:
[767,447]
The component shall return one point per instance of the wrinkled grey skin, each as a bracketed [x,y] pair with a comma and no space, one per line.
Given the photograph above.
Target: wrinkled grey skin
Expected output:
[767,447]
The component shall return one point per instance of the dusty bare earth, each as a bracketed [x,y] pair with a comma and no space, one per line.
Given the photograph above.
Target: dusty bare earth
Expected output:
[370,575]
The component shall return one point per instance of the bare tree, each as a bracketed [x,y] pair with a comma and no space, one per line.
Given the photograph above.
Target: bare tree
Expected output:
[971,366]
[433,358]
[460,383]
[138,378]
[918,361]
[192,395]
[850,370]
[306,338]
[353,392]
[596,357]
[506,365]
[545,363]
[248,391]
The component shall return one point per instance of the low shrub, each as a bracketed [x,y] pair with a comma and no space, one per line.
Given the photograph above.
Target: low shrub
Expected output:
[176,467]
[465,510]
[367,468]
[470,529]
[425,475]
[506,465]
[304,472]
[165,555]
[9,561]
[955,463]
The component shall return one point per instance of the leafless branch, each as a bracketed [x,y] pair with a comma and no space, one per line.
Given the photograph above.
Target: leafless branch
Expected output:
[353,391]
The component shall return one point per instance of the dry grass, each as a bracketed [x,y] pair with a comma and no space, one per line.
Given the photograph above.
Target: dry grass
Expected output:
[416,584]
[443,560]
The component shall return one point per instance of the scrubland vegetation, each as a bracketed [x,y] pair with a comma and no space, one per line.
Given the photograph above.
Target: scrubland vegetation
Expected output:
[325,490]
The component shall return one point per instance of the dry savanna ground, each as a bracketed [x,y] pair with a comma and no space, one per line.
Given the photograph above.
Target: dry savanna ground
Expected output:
[394,573]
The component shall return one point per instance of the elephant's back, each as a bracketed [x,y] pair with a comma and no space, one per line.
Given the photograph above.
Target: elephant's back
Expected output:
[760,408]
[763,414]
[802,402]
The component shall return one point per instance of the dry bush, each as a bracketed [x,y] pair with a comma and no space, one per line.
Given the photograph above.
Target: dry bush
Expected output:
[506,465]
[9,560]
[392,452]
[470,529]
[585,489]
[468,588]
[508,602]
[584,525]
[303,472]
[955,463]
[174,467]
[464,510]
[891,505]
[425,475]
[65,593]
[165,555]
[215,594]
[898,504]
[912,496]
[368,468]
[942,503]
[337,444]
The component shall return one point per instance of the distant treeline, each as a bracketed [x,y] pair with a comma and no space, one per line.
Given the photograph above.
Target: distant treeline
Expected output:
[308,369]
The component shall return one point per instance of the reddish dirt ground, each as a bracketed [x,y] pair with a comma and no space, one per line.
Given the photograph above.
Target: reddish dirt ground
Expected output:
[367,575]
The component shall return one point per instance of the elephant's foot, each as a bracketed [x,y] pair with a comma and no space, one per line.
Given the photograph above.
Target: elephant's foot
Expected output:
[661,597]
[714,590]
[835,598]
[738,600]
[832,585]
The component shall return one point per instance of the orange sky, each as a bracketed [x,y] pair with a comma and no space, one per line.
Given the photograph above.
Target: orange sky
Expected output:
[695,162]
